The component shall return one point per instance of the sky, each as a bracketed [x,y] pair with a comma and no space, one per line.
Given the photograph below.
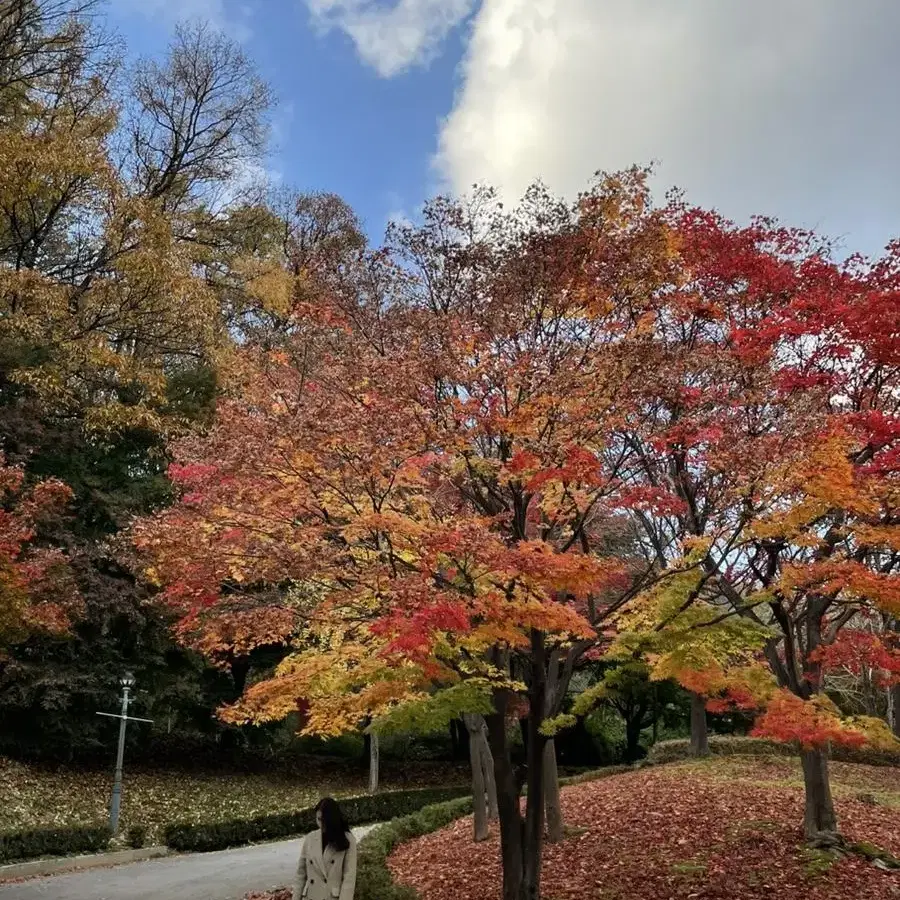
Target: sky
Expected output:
[787,108]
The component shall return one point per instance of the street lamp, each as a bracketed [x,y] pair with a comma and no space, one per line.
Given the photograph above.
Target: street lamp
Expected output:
[127,681]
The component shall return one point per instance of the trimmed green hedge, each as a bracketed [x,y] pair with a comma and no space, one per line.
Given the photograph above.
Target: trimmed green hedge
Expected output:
[605,772]
[373,878]
[677,750]
[35,842]
[673,751]
[867,756]
[202,838]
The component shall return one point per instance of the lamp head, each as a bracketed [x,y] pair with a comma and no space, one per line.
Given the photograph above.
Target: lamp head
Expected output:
[127,680]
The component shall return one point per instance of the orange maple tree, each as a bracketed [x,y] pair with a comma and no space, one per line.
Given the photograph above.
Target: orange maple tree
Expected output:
[431,468]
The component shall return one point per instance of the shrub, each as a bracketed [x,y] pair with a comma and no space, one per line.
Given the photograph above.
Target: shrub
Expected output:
[373,878]
[676,750]
[605,772]
[867,756]
[673,751]
[407,746]
[35,842]
[204,837]
[136,836]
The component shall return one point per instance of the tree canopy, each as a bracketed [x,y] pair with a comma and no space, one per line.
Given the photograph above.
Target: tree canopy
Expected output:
[509,438]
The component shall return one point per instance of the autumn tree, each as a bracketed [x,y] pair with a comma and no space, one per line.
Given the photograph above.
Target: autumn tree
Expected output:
[435,463]
[275,252]
[860,668]
[830,553]
[102,306]
[42,41]
[37,591]
[429,461]
[121,190]
[779,454]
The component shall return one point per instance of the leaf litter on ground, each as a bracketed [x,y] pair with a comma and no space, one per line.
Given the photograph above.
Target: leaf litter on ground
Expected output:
[35,796]
[707,831]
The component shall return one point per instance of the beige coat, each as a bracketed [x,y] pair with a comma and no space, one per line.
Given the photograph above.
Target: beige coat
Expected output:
[325,876]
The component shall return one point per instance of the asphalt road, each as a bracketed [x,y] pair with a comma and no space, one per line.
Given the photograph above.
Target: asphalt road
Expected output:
[226,875]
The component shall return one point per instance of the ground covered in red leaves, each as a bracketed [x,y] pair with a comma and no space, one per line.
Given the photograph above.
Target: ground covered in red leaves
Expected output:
[725,828]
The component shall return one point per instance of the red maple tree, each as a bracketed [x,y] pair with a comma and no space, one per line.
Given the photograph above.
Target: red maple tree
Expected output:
[776,431]
[37,591]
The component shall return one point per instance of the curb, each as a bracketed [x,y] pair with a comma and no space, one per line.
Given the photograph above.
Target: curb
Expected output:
[39,867]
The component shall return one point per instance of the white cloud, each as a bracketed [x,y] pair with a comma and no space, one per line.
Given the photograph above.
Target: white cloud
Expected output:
[394,37]
[785,107]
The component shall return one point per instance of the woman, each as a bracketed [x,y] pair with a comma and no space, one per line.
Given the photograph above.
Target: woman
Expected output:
[327,869]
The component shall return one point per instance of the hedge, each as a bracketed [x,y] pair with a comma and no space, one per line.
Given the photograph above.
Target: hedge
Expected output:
[673,751]
[204,837]
[605,772]
[136,836]
[34,842]
[373,878]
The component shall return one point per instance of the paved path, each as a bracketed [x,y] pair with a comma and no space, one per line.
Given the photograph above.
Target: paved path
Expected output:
[226,875]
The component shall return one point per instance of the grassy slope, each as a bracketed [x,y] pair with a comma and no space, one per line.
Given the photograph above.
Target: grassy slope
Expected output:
[32,797]
[721,828]
[848,780]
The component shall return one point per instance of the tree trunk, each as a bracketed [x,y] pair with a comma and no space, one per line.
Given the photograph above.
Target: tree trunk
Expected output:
[487,762]
[373,763]
[487,766]
[551,794]
[521,842]
[633,738]
[479,800]
[699,738]
[894,708]
[523,730]
[459,739]
[475,729]
[819,817]
[511,830]
[534,806]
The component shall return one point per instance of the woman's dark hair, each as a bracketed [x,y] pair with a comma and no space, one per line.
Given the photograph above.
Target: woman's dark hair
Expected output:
[334,825]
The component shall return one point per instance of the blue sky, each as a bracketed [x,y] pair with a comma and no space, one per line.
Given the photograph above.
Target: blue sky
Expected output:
[782,107]
[338,126]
